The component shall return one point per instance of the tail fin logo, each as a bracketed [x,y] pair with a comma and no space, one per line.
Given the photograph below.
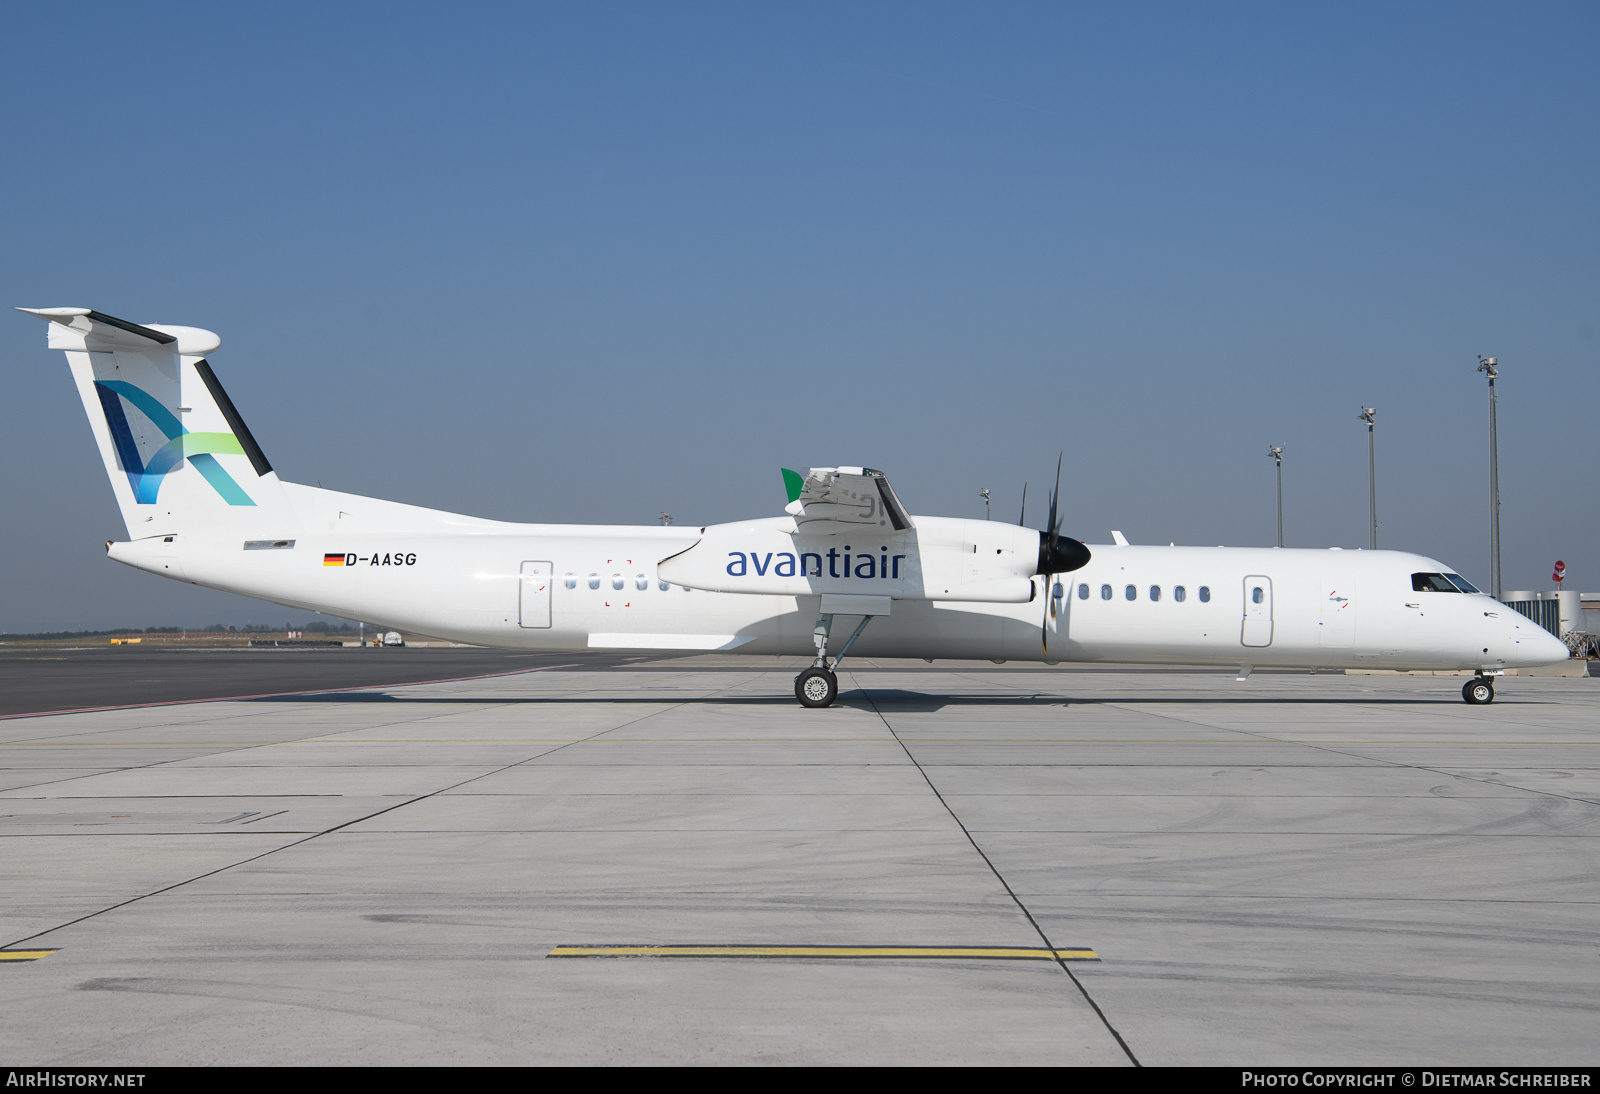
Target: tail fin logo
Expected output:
[197,448]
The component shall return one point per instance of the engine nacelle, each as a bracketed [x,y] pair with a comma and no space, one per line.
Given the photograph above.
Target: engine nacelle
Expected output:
[938,559]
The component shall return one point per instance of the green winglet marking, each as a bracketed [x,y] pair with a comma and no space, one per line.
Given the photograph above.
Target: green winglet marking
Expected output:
[793,483]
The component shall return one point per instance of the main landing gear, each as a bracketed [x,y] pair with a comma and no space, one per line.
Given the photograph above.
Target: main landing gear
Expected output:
[818,686]
[1478,691]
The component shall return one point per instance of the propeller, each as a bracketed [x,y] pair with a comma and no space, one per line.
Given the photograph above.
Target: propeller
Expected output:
[1058,554]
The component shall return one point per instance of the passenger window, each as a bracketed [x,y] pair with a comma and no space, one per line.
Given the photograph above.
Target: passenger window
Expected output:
[1105,592]
[617,582]
[1205,594]
[1131,592]
[572,581]
[1179,593]
[1057,592]
[1083,592]
[641,582]
[665,586]
[594,581]
[1155,592]
[1255,595]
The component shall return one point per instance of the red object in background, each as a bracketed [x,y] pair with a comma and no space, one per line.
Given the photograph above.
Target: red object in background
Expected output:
[1556,578]
[1561,567]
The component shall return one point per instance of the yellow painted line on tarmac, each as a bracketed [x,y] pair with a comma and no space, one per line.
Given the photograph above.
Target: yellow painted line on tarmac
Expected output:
[24,955]
[1001,953]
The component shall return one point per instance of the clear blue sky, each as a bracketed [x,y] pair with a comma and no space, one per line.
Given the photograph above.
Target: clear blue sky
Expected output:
[592,262]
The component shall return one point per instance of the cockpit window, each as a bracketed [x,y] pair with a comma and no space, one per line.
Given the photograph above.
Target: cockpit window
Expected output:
[1461,583]
[1432,583]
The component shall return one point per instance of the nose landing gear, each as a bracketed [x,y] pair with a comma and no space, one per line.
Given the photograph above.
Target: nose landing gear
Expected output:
[1478,691]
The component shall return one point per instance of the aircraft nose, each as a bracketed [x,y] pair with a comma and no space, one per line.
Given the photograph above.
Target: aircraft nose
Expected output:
[1552,650]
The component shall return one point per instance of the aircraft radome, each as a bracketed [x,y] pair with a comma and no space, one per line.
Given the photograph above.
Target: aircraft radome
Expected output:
[844,569]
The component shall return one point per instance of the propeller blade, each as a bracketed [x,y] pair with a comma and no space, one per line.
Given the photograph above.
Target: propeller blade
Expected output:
[1058,554]
[1055,496]
[1022,521]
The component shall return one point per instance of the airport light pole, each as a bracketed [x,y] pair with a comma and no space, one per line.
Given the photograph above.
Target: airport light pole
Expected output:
[1491,367]
[1368,415]
[1276,452]
[984,494]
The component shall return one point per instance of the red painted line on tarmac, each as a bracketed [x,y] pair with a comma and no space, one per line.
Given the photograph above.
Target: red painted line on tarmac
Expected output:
[281,694]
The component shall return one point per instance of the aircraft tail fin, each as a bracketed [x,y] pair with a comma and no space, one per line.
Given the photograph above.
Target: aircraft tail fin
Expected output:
[180,459]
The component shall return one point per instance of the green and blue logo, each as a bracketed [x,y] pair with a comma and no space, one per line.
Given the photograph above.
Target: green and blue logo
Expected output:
[197,448]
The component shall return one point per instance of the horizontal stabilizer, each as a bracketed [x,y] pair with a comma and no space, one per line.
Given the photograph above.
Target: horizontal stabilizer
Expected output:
[84,328]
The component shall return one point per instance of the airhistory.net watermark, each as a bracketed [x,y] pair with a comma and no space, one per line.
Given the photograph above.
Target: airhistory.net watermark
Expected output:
[49,1077]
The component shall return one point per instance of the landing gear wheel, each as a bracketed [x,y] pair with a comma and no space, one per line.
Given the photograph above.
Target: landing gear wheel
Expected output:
[1478,692]
[816,688]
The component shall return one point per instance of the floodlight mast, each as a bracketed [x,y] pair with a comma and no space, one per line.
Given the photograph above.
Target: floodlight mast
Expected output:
[1369,414]
[1491,367]
[1276,452]
[984,494]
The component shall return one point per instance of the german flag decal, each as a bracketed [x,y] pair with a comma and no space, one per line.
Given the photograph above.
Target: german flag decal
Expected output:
[331,559]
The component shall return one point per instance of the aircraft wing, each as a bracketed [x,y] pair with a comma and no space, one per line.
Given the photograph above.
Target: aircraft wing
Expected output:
[836,500]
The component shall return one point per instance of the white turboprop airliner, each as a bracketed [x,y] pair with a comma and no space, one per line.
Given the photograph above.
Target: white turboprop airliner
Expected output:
[202,505]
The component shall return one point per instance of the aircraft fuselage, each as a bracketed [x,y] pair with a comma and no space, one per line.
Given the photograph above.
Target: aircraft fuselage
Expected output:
[552,587]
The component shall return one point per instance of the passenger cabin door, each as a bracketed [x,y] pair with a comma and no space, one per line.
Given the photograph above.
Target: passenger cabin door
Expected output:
[534,594]
[1257,611]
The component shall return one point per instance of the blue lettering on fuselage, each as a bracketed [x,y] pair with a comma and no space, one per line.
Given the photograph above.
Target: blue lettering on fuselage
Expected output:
[865,566]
